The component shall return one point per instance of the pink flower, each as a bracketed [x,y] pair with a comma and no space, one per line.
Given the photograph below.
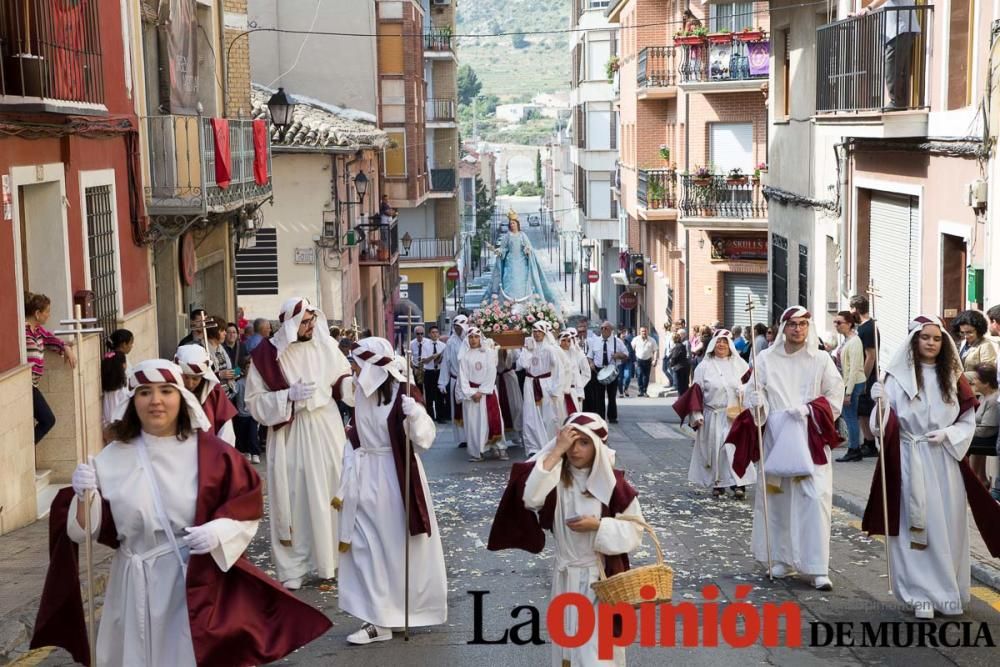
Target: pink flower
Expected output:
[496,328]
[530,318]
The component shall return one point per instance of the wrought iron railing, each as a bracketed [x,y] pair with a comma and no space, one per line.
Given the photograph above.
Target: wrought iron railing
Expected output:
[51,50]
[726,57]
[430,248]
[657,188]
[378,241]
[656,67]
[437,40]
[440,109]
[442,180]
[181,158]
[722,197]
[878,61]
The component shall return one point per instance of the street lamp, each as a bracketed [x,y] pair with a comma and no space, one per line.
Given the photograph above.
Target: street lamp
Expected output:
[407,242]
[280,106]
[361,186]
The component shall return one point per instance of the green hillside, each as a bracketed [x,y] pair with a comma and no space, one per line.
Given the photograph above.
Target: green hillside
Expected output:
[540,65]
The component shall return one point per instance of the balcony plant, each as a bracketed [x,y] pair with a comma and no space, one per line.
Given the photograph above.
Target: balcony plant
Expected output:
[749,34]
[664,153]
[702,176]
[736,177]
[690,37]
[724,36]
[654,194]
[611,67]
[761,168]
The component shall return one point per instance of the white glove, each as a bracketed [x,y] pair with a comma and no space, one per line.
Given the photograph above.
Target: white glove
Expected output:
[443,388]
[84,479]
[301,391]
[410,406]
[201,539]
[753,399]
[697,423]
[803,410]
[936,437]
[877,391]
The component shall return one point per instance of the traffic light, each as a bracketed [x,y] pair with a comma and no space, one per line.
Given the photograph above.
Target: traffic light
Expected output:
[638,270]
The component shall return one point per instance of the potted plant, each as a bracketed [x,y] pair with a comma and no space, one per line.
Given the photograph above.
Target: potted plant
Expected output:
[702,176]
[655,194]
[611,67]
[664,153]
[762,167]
[736,177]
[689,37]
[724,36]
[749,34]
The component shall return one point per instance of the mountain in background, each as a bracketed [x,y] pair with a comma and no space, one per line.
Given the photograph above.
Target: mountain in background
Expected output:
[513,67]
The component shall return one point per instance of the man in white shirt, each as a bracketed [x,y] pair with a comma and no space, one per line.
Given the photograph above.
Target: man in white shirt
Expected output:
[605,350]
[902,28]
[646,350]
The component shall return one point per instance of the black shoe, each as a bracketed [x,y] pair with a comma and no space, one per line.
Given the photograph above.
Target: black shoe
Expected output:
[851,456]
[868,449]
[612,421]
[463,445]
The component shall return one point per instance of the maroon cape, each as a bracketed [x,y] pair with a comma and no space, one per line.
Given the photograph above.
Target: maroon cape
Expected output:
[493,418]
[692,400]
[265,360]
[218,408]
[985,510]
[822,433]
[517,527]
[239,617]
[419,519]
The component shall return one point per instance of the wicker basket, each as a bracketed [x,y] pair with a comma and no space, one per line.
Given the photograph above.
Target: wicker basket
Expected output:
[624,587]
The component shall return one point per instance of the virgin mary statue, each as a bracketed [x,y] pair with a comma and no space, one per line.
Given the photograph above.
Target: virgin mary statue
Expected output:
[517,275]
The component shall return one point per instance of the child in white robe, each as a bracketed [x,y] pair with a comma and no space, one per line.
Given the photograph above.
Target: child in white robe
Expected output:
[541,388]
[477,386]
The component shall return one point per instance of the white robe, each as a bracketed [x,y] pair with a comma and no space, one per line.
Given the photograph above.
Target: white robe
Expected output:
[507,370]
[371,571]
[478,366]
[540,421]
[571,381]
[303,458]
[145,616]
[576,564]
[799,517]
[712,459]
[932,486]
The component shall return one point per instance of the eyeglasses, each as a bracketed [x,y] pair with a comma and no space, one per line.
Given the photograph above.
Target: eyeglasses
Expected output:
[837,323]
[802,324]
[309,321]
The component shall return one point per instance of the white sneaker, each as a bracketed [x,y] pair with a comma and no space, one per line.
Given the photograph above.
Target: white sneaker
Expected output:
[368,634]
[255,459]
[780,570]
[475,459]
[823,584]
[503,455]
[293,584]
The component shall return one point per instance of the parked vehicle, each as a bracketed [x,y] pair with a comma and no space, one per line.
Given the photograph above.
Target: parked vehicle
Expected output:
[534,221]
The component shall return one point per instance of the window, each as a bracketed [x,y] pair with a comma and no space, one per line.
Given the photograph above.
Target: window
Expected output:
[960,40]
[257,267]
[395,154]
[598,54]
[779,276]
[732,16]
[102,251]
[599,194]
[598,132]
[786,74]
[390,49]
[803,276]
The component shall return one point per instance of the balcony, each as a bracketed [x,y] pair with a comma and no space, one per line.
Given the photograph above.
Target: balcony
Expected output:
[378,242]
[857,71]
[656,72]
[50,56]
[656,192]
[724,62]
[430,250]
[437,44]
[181,158]
[722,197]
[440,112]
[443,181]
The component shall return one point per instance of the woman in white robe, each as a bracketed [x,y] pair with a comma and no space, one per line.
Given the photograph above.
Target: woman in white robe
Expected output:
[930,557]
[477,384]
[201,380]
[373,526]
[147,481]
[579,465]
[720,377]
[541,365]
[571,381]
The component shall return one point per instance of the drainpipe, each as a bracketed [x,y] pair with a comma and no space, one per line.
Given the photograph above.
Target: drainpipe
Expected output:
[846,273]
[687,232]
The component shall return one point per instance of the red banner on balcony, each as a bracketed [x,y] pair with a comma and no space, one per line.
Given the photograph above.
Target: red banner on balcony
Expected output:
[223,155]
[70,32]
[260,152]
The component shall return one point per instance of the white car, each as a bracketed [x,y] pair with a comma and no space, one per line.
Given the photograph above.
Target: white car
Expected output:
[534,221]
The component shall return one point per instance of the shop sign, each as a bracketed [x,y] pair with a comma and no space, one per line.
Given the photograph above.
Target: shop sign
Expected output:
[734,248]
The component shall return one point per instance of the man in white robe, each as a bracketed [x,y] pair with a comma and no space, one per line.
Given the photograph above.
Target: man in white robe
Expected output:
[374,529]
[477,386]
[541,388]
[448,379]
[293,386]
[791,373]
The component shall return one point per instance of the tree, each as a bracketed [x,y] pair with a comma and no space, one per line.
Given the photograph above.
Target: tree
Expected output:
[469,85]
[538,168]
[485,207]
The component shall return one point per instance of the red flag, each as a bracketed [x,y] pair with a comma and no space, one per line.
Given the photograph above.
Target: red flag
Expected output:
[223,156]
[260,152]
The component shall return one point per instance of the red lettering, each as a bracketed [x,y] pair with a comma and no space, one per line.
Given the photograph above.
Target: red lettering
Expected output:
[793,624]
[751,620]
[710,617]
[606,639]
[688,613]
[555,620]
[647,618]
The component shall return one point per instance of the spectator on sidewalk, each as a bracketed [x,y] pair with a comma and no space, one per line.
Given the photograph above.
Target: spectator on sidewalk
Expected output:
[645,350]
[984,442]
[37,339]
[975,350]
[196,336]
[626,368]
[114,387]
[867,333]
[759,337]
[850,359]
[666,346]
[120,340]
[680,362]
[261,332]
[234,347]
[247,430]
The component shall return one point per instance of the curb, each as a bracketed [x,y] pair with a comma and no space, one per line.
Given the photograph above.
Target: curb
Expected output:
[981,572]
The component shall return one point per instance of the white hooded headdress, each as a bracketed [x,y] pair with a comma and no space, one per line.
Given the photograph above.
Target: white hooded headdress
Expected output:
[378,361]
[161,371]
[194,360]
[903,367]
[289,320]
[812,338]
[601,481]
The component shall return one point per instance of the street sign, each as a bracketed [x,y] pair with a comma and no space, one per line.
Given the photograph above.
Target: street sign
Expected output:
[593,276]
[628,301]
[452,273]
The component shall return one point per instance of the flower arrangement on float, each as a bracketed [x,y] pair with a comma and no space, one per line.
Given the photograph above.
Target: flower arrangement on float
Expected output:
[504,320]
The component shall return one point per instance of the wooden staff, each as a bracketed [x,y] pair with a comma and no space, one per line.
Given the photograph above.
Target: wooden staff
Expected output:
[77,330]
[880,413]
[406,498]
[760,440]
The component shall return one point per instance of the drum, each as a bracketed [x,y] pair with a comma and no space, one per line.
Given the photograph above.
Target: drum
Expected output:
[608,374]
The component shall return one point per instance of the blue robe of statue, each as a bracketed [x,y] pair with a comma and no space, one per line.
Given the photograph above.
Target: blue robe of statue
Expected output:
[517,274]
